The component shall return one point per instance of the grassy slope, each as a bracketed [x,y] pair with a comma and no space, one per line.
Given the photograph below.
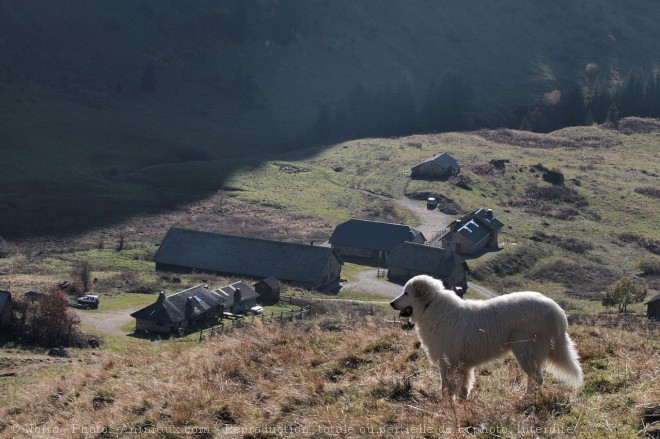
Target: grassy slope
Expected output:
[617,353]
[321,382]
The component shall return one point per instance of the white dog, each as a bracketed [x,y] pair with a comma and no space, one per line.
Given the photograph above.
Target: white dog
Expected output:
[459,335]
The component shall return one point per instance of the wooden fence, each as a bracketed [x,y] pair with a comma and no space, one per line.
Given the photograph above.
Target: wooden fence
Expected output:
[240,321]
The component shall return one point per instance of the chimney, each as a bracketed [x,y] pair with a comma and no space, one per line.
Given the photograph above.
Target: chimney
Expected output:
[489,213]
[161,296]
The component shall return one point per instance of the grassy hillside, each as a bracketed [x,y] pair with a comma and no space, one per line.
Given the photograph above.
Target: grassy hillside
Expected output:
[570,243]
[75,124]
[347,374]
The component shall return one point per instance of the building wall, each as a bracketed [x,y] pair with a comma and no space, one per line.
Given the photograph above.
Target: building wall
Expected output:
[151,326]
[359,252]
[653,310]
[5,318]
[465,246]
[457,277]
[428,170]
[267,295]
[331,272]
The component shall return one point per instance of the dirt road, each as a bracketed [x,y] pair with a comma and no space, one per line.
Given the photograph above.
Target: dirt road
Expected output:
[432,222]
[108,322]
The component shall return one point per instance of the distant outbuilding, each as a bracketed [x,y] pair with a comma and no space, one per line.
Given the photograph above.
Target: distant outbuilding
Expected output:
[372,239]
[269,290]
[435,168]
[5,308]
[653,308]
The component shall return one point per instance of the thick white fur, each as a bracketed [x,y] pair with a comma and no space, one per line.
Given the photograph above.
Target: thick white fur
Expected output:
[459,335]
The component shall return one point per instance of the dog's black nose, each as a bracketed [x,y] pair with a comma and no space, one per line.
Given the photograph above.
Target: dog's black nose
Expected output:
[392,304]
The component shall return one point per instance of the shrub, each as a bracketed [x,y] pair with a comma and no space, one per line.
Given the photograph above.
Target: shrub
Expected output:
[574,245]
[46,323]
[508,264]
[623,292]
[649,265]
[648,191]
[463,181]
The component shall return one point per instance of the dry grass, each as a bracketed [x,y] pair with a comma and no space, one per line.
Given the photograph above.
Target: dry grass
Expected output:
[369,378]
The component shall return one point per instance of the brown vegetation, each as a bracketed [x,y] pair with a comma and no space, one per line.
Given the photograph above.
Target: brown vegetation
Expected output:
[46,323]
[363,377]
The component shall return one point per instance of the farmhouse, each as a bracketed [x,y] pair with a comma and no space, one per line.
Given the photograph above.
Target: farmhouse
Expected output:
[409,259]
[182,310]
[306,266]
[5,308]
[269,290]
[653,308]
[473,233]
[372,239]
[437,167]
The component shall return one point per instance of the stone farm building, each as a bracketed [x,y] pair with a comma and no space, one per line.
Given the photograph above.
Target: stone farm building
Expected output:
[409,260]
[196,306]
[305,266]
[5,308]
[653,308]
[473,233]
[438,167]
[269,290]
[372,239]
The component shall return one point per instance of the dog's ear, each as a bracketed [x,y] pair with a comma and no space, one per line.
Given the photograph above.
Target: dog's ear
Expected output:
[419,287]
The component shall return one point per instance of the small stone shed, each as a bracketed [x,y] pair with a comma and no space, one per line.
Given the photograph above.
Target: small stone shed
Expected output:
[653,308]
[435,168]
[269,290]
[5,308]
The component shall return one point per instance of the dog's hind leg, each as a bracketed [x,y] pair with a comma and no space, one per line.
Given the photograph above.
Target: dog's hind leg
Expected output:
[464,382]
[456,381]
[531,355]
[467,383]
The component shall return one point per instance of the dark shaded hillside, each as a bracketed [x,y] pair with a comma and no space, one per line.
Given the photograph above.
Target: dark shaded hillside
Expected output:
[91,92]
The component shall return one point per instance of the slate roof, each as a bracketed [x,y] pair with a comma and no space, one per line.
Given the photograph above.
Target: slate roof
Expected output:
[444,160]
[5,297]
[270,282]
[478,224]
[372,235]
[244,256]
[180,306]
[488,218]
[227,293]
[655,299]
[425,258]
[474,231]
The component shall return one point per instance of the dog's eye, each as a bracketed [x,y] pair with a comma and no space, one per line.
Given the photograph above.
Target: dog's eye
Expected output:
[405,293]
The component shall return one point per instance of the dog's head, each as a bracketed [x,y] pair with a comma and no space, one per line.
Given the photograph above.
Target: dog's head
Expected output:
[417,293]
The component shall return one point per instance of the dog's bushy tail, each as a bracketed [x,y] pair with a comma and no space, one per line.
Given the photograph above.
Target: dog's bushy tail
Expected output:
[564,362]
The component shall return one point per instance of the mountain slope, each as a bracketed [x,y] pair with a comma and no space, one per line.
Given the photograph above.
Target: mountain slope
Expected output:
[246,79]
